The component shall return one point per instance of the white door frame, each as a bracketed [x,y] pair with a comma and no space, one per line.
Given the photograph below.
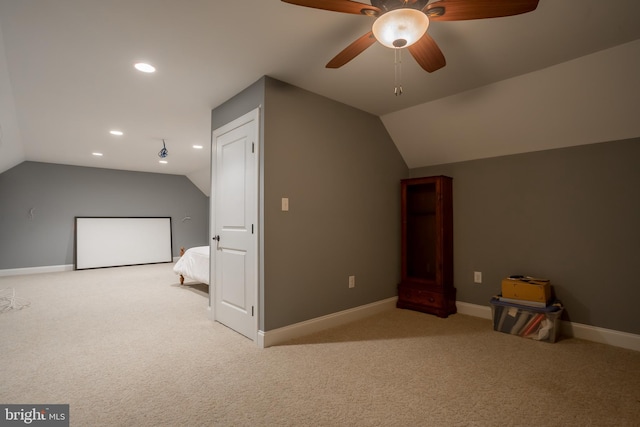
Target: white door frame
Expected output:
[240,121]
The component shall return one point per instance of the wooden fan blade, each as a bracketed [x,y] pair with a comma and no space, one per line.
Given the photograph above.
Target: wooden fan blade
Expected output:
[346,6]
[460,10]
[353,50]
[427,53]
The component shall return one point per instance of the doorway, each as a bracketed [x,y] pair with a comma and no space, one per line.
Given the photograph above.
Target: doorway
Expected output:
[234,224]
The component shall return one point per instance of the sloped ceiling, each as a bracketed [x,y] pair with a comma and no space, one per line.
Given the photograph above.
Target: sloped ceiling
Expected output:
[67,77]
[595,98]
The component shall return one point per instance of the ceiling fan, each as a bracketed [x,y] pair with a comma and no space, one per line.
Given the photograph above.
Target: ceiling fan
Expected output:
[404,23]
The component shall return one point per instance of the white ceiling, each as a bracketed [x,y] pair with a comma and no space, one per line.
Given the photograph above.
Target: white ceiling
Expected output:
[67,77]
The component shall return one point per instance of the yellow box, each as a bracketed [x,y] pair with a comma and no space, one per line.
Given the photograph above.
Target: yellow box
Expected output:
[527,289]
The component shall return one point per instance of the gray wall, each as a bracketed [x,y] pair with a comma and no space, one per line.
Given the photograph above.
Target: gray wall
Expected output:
[59,193]
[571,215]
[341,172]
[247,100]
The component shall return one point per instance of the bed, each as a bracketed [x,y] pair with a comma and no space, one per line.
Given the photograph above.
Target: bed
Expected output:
[193,264]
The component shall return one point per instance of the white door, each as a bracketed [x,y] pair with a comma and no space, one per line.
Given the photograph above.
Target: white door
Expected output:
[235,219]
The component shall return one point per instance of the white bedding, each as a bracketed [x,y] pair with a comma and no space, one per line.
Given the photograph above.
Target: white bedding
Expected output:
[194,264]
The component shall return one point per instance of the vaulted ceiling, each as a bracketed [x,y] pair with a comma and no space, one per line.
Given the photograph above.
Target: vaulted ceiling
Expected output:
[67,76]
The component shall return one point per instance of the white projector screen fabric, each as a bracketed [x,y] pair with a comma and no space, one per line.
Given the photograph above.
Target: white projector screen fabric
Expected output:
[119,241]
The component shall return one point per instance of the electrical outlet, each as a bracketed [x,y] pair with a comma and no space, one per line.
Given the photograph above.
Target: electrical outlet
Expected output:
[477,277]
[352,281]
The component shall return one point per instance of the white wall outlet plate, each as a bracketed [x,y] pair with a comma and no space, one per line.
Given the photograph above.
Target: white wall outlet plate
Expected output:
[477,277]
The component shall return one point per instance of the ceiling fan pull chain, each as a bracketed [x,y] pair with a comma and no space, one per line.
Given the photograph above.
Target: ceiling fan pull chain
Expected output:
[398,72]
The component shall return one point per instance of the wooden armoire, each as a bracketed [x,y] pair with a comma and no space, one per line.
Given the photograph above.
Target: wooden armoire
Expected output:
[427,246]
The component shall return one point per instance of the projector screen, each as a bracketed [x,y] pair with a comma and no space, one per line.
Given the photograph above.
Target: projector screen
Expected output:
[119,241]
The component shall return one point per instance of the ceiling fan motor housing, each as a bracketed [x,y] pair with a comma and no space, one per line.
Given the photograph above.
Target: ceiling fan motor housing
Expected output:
[387,5]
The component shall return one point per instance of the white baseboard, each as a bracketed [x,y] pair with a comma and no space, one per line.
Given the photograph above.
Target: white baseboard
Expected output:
[474,310]
[569,329]
[601,335]
[35,270]
[45,269]
[286,333]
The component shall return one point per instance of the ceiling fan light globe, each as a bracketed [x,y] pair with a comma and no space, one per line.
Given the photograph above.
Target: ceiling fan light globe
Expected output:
[400,27]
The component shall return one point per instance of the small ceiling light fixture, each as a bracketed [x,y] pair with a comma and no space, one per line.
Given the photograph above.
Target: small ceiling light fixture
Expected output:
[400,27]
[116,132]
[97,154]
[198,147]
[164,162]
[144,67]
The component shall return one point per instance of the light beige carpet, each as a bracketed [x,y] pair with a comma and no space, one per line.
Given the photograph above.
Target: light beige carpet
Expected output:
[130,347]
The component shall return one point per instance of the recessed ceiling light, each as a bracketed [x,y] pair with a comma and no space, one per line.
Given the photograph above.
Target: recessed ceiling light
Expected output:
[164,162]
[144,67]
[116,132]
[97,154]
[198,147]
